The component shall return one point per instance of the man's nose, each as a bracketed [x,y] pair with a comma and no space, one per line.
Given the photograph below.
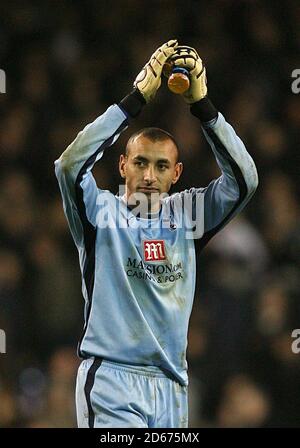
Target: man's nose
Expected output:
[149,174]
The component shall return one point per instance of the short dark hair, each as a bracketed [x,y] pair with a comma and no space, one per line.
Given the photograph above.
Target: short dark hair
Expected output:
[154,135]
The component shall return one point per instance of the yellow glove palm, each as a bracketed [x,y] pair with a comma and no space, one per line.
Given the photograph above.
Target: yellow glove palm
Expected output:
[188,58]
[148,80]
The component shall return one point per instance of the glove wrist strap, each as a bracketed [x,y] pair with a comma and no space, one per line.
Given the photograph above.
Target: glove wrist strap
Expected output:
[133,103]
[204,110]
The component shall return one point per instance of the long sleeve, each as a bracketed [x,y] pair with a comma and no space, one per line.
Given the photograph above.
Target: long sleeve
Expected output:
[226,196]
[73,169]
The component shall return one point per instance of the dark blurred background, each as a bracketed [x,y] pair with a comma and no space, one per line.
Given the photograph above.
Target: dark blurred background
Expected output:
[65,63]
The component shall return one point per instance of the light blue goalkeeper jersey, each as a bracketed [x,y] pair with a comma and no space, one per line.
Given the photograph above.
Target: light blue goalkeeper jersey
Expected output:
[138,275]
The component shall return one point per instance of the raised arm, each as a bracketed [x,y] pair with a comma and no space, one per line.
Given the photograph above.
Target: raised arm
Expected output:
[73,169]
[224,197]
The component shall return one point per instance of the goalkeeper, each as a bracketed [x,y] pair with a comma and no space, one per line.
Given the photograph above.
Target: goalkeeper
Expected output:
[137,253]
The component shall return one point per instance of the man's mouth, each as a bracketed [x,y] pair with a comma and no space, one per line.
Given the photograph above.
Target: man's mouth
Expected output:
[148,189]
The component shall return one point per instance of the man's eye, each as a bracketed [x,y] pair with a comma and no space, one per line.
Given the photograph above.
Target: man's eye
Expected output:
[139,163]
[162,167]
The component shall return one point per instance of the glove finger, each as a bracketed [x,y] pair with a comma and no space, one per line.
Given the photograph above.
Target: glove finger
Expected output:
[185,54]
[156,64]
[189,50]
[171,43]
[164,52]
[198,71]
[169,46]
[185,61]
[160,56]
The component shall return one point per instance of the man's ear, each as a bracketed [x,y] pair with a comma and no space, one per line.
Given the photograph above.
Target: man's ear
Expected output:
[177,172]
[122,165]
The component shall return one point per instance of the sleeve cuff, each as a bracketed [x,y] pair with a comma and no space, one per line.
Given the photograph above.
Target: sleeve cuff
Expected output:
[133,103]
[204,110]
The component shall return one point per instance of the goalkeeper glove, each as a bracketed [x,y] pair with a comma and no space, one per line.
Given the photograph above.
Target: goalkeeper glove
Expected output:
[148,80]
[188,58]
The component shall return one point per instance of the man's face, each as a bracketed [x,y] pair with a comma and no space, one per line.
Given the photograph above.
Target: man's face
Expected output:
[150,168]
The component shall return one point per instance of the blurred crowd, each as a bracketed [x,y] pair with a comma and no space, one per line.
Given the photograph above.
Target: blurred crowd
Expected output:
[65,63]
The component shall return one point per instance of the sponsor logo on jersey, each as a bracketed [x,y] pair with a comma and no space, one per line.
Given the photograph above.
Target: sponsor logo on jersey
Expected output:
[154,250]
[158,273]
